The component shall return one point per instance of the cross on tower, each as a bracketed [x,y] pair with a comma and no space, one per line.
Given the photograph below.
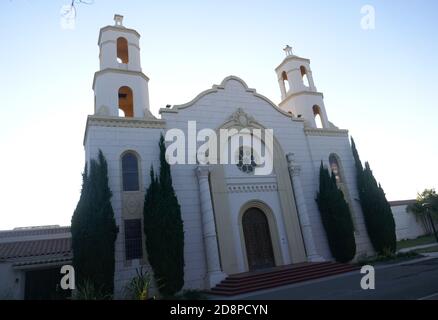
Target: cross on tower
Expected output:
[118,19]
[288,50]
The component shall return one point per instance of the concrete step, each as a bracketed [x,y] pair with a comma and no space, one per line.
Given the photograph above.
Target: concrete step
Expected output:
[253,281]
[267,275]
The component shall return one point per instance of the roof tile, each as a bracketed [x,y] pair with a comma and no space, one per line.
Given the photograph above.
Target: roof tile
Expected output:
[22,249]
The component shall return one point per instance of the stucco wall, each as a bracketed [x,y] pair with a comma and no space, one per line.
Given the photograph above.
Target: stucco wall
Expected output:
[214,108]
[321,147]
[113,141]
[211,110]
[11,282]
[407,226]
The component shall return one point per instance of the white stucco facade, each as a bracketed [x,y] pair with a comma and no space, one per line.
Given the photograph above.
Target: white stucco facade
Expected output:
[214,199]
[407,225]
[11,282]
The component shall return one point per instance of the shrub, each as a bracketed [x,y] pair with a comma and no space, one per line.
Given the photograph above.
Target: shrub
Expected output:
[88,291]
[336,217]
[138,287]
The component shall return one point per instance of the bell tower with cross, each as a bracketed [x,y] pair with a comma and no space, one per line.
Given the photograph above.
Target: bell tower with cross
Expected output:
[299,95]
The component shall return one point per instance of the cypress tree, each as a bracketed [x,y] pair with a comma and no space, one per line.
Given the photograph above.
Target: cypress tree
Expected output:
[336,217]
[94,229]
[377,212]
[153,225]
[163,228]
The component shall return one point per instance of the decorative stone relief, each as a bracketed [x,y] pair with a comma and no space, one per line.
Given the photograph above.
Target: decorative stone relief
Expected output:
[239,188]
[242,118]
[133,204]
[103,111]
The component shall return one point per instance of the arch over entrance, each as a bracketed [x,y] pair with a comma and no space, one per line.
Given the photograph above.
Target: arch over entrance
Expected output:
[231,256]
[258,241]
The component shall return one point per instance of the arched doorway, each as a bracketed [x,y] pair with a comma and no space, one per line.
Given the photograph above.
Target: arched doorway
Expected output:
[258,241]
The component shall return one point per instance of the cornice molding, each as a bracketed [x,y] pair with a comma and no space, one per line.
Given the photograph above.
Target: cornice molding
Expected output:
[99,121]
[326,132]
[125,122]
[292,57]
[398,203]
[216,88]
[299,93]
[117,29]
[122,71]
[115,42]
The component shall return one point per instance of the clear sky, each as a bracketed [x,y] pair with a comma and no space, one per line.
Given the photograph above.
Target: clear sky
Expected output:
[380,84]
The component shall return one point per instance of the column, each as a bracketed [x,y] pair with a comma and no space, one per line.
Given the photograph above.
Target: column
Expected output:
[310,78]
[214,271]
[309,242]
[282,87]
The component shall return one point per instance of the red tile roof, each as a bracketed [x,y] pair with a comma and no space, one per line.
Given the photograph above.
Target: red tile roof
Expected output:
[26,249]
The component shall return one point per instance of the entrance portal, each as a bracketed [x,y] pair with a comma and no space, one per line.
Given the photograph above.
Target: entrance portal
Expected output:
[44,284]
[257,240]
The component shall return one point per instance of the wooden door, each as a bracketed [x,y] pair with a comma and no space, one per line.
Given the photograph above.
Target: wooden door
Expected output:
[257,240]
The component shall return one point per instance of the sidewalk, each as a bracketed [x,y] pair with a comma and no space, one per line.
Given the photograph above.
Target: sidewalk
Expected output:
[423,246]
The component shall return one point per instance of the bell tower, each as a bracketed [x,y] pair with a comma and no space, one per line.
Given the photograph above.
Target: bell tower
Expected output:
[120,87]
[298,92]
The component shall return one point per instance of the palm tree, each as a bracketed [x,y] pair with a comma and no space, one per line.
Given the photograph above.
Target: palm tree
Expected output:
[426,206]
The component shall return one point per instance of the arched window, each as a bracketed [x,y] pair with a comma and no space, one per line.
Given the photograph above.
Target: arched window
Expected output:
[130,172]
[285,81]
[122,50]
[126,102]
[247,161]
[335,167]
[317,115]
[304,76]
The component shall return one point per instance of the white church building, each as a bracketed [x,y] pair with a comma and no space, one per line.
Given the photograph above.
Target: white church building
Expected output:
[234,220]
